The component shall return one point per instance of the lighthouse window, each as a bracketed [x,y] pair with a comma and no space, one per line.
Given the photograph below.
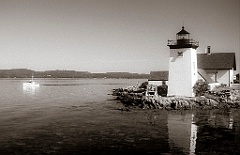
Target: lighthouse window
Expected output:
[180,53]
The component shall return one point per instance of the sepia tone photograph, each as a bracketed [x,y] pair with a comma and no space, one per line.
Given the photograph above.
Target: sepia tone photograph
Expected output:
[119,77]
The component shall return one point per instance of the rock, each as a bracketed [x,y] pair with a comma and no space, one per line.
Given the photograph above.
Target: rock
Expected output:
[135,97]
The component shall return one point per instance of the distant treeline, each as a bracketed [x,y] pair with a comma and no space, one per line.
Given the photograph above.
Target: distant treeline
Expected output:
[26,73]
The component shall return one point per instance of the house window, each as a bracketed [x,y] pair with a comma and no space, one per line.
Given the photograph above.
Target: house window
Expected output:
[213,75]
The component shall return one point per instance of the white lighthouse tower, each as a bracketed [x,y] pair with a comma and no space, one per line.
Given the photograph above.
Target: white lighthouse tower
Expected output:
[182,65]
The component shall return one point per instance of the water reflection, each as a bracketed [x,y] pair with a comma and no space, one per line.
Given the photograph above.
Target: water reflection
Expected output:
[193,136]
[29,89]
[211,132]
[218,132]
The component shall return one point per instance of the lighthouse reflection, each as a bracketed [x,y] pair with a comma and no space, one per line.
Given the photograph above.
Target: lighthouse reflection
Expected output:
[182,132]
[193,136]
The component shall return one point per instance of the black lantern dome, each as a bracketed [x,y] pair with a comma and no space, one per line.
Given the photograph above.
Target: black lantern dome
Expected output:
[183,41]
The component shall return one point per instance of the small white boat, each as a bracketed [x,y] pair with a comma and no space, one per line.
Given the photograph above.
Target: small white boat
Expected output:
[31,83]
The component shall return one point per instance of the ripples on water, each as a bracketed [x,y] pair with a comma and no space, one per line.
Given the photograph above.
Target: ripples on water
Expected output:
[78,116]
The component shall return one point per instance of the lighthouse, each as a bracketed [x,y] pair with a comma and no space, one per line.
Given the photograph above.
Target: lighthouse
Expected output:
[182,65]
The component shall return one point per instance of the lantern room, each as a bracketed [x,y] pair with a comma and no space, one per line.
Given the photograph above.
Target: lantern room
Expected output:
[183,35]
[183,41]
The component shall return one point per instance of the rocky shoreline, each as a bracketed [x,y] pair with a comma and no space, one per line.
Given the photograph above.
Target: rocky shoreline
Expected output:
[219,99]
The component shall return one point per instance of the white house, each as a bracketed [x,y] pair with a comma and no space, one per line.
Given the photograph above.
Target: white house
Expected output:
[216,67]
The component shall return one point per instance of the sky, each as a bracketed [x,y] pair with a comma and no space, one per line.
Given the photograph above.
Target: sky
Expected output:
[111,35]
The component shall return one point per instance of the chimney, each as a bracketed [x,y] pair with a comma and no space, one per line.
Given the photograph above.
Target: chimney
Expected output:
[208,52]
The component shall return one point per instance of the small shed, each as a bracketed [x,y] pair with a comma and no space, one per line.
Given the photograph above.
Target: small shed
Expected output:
[158,78]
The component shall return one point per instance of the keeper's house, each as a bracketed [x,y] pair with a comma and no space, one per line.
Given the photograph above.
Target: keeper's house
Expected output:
[216,67]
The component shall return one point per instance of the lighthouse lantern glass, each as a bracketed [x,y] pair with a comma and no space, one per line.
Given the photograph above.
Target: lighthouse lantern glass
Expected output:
[182,36]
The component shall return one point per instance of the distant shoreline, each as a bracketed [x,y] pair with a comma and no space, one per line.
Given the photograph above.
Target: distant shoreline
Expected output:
[54,78]
[26,73]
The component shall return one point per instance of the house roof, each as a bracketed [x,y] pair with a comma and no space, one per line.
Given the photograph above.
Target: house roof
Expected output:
[158,76]
[219,61]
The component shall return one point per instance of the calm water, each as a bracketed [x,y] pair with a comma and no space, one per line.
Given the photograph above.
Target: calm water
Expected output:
[80,117]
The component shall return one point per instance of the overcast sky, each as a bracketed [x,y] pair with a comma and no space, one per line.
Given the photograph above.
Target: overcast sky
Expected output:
[110,35]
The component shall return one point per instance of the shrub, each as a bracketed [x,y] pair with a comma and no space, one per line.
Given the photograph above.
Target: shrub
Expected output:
[162,90]
[144,85]
[200,87]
